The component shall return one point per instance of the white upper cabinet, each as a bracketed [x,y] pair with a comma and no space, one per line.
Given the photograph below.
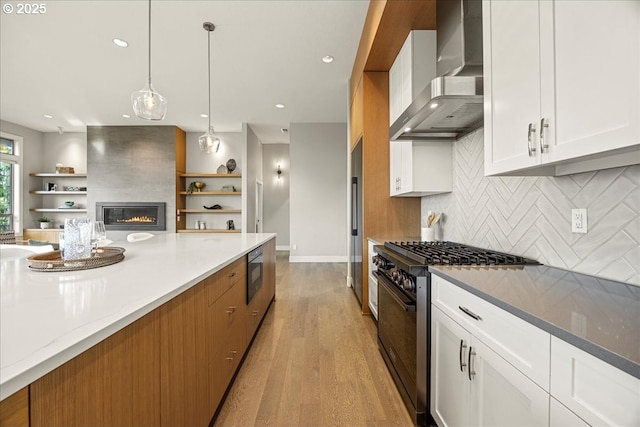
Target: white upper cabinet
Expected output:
[417,168]
[562,86]
[412,70]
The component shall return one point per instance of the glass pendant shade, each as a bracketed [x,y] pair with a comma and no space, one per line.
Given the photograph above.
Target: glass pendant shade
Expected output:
[149,104]
[209,142]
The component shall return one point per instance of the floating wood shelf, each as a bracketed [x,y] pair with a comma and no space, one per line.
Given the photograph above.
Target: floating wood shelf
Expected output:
[56,193]
[227,211]
[57,210]
[59,175]
[210,175]
[209,231]
[212,193]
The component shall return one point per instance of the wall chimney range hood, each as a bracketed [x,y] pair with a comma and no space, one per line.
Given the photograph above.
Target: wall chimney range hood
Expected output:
[451,106]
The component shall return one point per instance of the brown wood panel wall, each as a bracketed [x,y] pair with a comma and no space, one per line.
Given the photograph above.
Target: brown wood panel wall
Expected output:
[115,382]
[181,167]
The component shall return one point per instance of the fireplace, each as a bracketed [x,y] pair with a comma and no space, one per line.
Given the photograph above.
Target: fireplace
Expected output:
[141,216]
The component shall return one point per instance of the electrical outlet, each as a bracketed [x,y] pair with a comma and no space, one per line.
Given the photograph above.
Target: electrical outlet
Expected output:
[578,220]
[294,247]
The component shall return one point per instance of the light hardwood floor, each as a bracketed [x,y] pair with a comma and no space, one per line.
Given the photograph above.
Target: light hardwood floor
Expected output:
[315,360]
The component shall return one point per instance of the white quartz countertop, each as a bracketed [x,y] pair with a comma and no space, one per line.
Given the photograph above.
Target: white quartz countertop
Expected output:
[48,318]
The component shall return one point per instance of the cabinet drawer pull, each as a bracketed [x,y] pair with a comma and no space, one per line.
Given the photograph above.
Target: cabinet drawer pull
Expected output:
[472,373]
[469,313]
[530,146]
[232,274]
[463,346]
[233,355]
[255,312]
[231,310]
[543,144]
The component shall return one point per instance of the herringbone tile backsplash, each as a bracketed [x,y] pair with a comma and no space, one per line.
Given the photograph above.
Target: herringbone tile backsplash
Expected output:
[530,216]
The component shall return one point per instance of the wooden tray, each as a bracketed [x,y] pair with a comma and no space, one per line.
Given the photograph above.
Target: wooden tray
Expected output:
[52,261]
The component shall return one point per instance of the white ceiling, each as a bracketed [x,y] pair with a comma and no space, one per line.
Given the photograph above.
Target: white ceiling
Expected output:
[63,63]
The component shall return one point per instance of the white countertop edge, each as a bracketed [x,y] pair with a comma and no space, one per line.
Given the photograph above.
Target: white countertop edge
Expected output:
[50,357]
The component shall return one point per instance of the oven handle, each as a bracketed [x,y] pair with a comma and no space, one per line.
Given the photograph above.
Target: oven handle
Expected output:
[402,300]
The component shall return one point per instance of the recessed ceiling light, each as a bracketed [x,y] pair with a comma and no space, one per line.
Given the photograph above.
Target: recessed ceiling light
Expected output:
[407,129]
[126,116]
[327,59]
[434,105]
[204,116]
[280,106]
[120,42]
[48,116]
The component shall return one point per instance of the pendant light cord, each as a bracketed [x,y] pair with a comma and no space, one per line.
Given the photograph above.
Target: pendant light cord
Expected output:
[149,42]
[209,69]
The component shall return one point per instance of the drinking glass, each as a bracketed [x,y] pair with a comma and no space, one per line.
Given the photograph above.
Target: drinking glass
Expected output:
[98,233]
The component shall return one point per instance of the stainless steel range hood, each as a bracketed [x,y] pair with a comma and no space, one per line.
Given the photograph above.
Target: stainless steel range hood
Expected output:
[451,106]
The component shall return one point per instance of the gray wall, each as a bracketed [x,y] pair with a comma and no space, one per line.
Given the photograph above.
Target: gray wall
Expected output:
[276,192]
[530,216]
[253,174]
[132,164]
[318,192]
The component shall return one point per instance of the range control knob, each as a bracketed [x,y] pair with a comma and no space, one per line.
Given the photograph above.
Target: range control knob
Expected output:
[408,284]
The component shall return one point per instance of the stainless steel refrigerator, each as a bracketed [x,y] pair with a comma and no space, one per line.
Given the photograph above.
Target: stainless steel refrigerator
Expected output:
[356,220]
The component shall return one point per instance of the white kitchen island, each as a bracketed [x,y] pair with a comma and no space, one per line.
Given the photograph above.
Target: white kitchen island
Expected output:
[48,318]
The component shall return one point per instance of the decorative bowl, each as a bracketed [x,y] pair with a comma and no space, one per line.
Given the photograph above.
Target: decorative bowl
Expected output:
[69,203]
[199,185]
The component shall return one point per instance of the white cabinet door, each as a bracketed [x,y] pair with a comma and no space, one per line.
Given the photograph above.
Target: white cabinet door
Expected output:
[590,76]
[449,382]
[561,416]
[396,149]
[512,84]
[501,395]
[597,392]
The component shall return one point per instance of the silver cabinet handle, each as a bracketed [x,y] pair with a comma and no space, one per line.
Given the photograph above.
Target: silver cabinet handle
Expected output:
[469,313]
[472,372]
[530,146]
[231,310]
[543,144]
[255,312]
[463,347]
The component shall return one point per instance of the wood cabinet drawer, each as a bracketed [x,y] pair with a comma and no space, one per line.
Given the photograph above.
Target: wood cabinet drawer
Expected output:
[597,392]
[520,343]
[220,282]
[225,314]
[224,364]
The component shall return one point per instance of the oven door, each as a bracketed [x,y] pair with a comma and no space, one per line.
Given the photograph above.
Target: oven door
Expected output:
[397,336]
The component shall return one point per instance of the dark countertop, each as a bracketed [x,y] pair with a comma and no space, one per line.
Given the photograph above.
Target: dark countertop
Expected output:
[599,316]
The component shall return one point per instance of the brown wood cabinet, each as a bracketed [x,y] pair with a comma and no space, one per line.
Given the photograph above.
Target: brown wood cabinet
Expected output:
[184,361]
[115,382]
[169,368]
[14,410]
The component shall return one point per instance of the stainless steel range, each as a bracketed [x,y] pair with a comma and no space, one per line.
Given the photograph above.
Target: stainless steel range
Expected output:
[404,310]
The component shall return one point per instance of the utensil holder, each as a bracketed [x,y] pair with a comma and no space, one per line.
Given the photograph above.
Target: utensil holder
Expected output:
[428,234]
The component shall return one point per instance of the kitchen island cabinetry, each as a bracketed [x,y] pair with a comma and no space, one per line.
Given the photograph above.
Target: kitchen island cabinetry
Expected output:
[14,410]
[169,367]
[559,108]
[183,360]
[115,382]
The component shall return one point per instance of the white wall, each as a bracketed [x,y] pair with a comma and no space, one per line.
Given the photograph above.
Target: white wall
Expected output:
[318,192]
[276,192]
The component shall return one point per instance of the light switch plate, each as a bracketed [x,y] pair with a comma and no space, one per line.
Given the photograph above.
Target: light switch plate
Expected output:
[578,220]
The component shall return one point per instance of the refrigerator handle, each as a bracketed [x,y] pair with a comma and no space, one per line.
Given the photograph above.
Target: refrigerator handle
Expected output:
[354,206]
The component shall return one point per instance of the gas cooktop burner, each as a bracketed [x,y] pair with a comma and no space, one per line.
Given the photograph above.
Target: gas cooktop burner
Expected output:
[451,253]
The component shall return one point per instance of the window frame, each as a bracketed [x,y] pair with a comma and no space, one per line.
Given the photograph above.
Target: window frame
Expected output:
[16,160]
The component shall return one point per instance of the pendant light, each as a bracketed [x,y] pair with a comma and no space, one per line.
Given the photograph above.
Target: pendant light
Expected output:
[209,142]
[147,103]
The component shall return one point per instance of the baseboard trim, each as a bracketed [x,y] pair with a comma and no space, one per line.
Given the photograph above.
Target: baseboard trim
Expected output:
[318,259]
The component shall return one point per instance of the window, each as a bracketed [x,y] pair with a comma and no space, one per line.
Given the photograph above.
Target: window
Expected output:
[9,182]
